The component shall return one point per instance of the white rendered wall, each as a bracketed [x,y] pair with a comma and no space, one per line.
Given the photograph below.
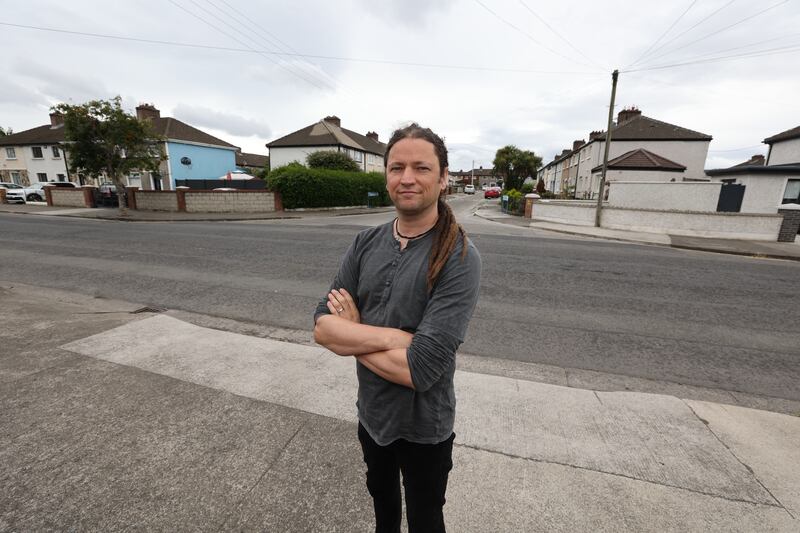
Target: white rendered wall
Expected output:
[52,166]
[763,192]
[712,225]
[279,157]
[785,152]
[575,213]
[678,196]
[658,176]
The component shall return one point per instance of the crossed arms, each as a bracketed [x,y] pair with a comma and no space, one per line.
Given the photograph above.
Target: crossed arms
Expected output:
[380,349]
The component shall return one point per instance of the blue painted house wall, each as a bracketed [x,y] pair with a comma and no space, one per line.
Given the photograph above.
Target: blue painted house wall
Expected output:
[207,162]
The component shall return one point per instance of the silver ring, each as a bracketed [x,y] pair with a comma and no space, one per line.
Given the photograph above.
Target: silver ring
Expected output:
[340,309]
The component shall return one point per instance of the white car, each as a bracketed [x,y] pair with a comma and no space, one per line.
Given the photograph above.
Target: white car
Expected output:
[469,189]
[35,193]
[14,193]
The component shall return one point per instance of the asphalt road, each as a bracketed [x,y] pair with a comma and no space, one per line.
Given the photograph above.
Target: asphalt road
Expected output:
[676,316]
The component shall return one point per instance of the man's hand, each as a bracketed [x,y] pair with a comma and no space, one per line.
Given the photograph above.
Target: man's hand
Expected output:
[341,304]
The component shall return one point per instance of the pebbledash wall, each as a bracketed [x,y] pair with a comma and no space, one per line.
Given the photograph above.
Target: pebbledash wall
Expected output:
[756,227]
[205,201]
[157,200]
[68,197]
[230,201]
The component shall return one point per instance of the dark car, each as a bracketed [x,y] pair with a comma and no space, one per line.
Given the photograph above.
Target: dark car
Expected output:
[491,193]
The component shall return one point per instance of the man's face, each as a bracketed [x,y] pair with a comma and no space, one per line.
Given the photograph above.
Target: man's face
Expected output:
[413,177]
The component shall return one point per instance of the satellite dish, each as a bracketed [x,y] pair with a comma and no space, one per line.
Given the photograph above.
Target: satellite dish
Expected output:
[186,161]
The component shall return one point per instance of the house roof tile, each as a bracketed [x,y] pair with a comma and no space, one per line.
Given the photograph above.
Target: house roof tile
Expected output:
[793,133]
[244,159]
[644,128]
[325,133]
[46,134]
[641,159]
[174,129]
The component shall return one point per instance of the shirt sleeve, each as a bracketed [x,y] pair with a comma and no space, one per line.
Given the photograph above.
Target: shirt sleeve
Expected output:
[444,323]
[346,277]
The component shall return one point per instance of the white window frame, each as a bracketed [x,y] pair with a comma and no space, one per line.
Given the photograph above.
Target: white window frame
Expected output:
[16,177]
[61,177]
[137,176]
[56,152]
[33,152]
[39,177]
[11,152]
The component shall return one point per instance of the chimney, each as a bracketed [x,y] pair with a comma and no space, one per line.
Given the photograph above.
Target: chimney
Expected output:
[56,119]
[595,134]
[627,114]
[757,159]
[147,111]
[372,135]
[577,144]
[333,119]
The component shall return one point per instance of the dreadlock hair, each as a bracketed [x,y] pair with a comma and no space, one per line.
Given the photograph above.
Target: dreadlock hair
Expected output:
[446,230]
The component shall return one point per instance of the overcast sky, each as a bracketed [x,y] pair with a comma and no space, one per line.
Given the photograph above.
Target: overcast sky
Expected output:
[495,72]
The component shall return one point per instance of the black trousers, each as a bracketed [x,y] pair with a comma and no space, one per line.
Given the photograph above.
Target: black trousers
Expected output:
[425,468]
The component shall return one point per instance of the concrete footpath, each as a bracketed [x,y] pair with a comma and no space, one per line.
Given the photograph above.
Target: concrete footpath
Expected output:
[772,250]
[116,419]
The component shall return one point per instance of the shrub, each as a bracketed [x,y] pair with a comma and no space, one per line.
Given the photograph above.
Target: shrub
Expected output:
[527,188]
[516,201]
[332,161]
[316,187]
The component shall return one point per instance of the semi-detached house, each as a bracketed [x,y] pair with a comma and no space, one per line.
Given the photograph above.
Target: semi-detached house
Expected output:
[328,134]
[39,154]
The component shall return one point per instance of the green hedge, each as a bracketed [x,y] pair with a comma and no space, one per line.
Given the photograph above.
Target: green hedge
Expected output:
[316,187]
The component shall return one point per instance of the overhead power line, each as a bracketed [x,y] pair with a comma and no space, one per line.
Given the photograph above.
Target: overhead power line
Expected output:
[543,21]
[690,28]
[264,37]
[665,33]
[529,36]
[288,54]
[725,28]
[755,53]
[308,80]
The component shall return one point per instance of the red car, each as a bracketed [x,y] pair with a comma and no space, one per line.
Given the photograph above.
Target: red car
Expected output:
[491,193]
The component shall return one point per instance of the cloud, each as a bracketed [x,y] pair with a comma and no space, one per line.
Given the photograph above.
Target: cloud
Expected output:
[74,86]
[411,13]
[227,122]
[19,95]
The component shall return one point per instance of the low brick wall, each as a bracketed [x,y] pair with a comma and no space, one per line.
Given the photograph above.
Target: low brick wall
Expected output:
[157,200]
[230,201]
[68,197]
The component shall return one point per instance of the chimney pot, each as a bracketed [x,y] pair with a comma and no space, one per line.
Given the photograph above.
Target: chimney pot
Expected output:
[56,119]
[147,111]
[577,144]
[627,114]
[333,119]
[372,135]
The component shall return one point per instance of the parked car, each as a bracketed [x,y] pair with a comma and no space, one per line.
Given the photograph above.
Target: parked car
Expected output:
[14,193]
[469,189]
[35,193]
[106,195]
[491,192]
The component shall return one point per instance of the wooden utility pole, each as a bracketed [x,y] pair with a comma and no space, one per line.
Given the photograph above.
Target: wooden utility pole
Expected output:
[600,193]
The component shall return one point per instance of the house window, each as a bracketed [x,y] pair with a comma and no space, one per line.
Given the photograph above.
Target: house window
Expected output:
[41,176]
[371,159]
[357,156]
[61,177]
[135,179]
[56,152]
[37,152]
[792,194]
[16,178]
[11,153]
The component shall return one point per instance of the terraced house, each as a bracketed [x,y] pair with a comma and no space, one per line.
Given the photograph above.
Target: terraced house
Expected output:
[35,155]
[644,148]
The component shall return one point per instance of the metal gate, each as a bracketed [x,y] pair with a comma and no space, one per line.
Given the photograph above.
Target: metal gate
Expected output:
[730,198]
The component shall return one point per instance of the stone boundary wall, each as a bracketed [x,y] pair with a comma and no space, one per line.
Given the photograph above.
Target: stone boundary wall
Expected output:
[68,197]
[791,222]
[230,202]
[156,200]
[747,226]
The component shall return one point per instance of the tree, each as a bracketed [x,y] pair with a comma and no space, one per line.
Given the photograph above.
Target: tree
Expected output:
[6,131]
[516,165]
[102,138]
[332,161]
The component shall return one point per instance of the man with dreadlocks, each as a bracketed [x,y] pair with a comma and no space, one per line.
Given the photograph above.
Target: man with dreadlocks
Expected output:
[400,304]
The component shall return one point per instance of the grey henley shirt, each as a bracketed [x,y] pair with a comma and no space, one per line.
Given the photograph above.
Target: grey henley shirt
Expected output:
[389,286]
